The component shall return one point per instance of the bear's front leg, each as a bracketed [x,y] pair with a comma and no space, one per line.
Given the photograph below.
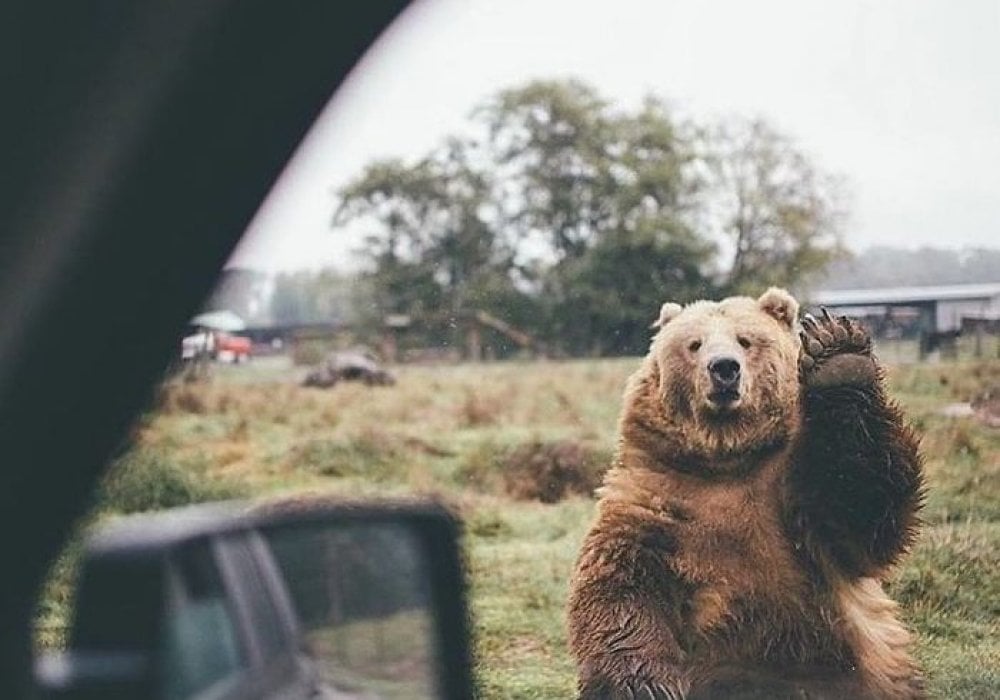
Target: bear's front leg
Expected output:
[622,620]
[857,482]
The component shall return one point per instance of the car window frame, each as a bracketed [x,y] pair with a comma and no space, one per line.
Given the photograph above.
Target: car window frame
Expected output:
[140,139]
[269,671]
[174,574]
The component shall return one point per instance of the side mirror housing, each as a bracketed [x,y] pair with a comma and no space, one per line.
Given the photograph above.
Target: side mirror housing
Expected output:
[313,598]
[68,675]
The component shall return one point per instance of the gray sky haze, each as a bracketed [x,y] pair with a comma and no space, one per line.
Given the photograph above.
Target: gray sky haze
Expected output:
[900,97]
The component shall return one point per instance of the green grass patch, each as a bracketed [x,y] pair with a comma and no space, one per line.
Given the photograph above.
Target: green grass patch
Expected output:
[147,479]
[463,433]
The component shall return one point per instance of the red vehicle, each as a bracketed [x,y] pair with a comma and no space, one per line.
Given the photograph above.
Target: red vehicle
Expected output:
[218,345]
[232,348]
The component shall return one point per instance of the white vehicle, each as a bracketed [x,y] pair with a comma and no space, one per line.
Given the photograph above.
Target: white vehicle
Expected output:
[197,344]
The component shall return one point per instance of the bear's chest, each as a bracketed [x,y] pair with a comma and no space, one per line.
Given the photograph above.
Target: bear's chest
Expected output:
[728,543]
[745,591]
[733,535]
[733,551]
[750,594]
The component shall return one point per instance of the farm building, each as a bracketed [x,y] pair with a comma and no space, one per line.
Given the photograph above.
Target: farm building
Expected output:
[944,306]
[936,315]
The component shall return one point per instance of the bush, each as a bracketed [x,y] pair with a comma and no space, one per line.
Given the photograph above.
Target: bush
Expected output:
[551,471]
[145,479]
[539,470]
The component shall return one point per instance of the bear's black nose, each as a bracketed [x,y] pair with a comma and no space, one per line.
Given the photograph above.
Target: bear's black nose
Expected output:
[724,371]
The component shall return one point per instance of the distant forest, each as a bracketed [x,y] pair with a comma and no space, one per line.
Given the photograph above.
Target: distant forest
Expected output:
[897,267]
[332,296]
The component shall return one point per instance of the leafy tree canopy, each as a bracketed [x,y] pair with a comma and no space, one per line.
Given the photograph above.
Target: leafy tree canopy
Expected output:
[577,220]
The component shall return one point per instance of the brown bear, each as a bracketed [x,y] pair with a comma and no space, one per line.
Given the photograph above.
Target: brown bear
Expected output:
[764,485]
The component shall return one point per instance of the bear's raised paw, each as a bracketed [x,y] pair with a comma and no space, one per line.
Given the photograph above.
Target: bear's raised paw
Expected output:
[835,352]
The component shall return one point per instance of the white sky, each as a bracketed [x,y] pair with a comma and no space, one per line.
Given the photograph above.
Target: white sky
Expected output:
[900,97]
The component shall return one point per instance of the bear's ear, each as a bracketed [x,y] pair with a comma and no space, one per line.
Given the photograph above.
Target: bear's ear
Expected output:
[667,312]
[780,304]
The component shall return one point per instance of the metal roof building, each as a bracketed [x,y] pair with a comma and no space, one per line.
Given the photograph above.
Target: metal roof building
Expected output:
[943,306]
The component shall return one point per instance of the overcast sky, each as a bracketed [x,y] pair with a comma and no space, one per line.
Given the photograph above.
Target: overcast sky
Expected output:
[900,97]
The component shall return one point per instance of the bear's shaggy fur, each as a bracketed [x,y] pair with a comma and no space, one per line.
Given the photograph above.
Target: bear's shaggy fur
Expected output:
[745,528]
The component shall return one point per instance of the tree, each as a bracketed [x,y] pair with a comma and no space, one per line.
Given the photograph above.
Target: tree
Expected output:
[605,190]
[575,221]
[778,214]
[323,296]
[618,287]
[549,141]
[575,172]
[434,248]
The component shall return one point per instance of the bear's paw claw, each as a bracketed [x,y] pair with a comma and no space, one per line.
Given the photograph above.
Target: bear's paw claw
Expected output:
[836,351]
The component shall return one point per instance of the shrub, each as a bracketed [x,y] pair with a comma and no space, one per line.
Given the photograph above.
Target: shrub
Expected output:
[551,471]
[146,479]
[546,471]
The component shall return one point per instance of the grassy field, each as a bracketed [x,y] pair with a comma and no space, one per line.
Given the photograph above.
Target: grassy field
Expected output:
[480,436]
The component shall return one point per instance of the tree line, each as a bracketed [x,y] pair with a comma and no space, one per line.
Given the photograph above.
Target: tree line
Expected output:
[574,220]
[883,266]
[331,296]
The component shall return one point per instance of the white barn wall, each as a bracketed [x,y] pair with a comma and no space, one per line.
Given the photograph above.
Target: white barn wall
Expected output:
[950,313]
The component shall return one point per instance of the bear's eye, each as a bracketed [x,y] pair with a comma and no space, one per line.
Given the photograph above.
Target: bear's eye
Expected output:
[694,345]
[744,341]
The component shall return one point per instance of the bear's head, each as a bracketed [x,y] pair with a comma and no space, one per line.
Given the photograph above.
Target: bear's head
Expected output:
[721,378]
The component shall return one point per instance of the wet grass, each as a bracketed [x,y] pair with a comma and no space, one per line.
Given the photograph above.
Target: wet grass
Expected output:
[949,587]
[461,432]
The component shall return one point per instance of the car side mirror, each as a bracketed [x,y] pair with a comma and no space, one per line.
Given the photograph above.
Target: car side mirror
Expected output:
[378,594]
[310,598]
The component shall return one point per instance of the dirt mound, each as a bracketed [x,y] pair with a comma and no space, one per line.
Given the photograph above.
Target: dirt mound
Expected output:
[551,471]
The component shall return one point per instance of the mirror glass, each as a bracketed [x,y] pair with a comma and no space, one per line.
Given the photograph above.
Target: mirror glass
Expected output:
[362,593]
